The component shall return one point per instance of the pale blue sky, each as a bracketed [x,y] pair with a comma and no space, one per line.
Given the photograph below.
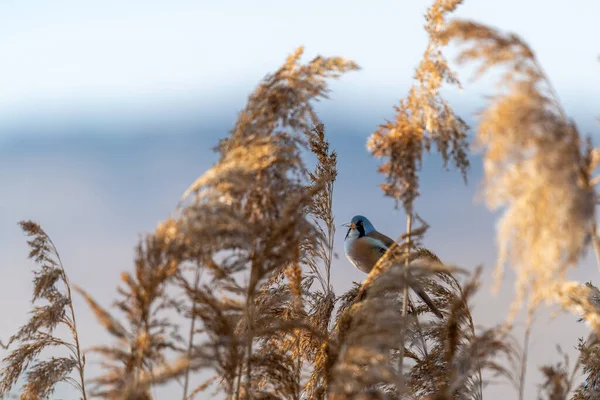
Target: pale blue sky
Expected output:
[135,93]
[62,56]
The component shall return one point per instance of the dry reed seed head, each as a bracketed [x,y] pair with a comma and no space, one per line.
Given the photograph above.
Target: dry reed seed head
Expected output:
[367,331]
[579,299]
[594,295]
[244,160]
[271,313]
[166,372]
[288,335]
[41,376]
[294,275]
[223,350]
[141,346]
[393,278]
[317,250]
[556,384]
[366,342]
[398,143]
[487,351]
[283,99]
[44,254]
[41,249]
[589,356]
[321,309]
[113,326]
[482,352]
[276,373]
[492,48]
[320,353]
[448,354]
[167,232]
[274,236]
[535,167]
[436,17]
[257,191]
[326,169]
[421,118]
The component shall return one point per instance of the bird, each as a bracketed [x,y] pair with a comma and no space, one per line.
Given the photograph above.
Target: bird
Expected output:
[364,246]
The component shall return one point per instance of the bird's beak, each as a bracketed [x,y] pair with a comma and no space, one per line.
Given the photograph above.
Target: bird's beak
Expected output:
[349,225]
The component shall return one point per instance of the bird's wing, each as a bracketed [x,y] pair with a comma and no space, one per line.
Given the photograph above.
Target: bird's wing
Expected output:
[372,243]
[382,243]
[382,238]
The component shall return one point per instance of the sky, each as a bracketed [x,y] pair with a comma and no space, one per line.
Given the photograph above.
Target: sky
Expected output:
[109,110]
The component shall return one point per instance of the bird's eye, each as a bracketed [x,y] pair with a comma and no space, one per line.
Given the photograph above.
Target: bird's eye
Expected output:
[359,223]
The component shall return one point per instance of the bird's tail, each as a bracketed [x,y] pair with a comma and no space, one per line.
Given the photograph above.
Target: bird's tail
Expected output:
[425,297]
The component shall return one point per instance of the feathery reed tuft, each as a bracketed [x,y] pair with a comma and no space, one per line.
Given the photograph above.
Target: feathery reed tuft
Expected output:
[134,362]
[52,287]
[423,118]
[247,228]
[536,166]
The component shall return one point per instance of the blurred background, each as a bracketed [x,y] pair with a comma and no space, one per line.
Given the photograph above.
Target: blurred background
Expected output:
[109,110]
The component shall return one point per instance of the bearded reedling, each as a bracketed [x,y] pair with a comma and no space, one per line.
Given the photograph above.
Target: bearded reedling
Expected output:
[364,246]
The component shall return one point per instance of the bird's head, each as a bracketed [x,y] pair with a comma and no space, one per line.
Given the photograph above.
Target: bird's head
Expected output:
[359,226]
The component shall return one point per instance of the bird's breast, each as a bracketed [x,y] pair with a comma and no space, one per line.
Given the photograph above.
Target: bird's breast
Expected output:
[362,252]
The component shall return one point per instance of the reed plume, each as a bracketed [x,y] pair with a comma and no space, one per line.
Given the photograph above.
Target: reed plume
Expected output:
[246,226]
[138,357]
[423,118]
[52,287]
[537,167]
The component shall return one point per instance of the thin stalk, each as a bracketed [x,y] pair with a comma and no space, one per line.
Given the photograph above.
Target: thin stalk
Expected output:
[330,238]
[524,357]
[143,354]
[80,358]
[191,336]
[298,365]
[254,273]
[329,256]
[595,242]
[249,337]
[249,350]
[421,335]
[404,301]
[239,381]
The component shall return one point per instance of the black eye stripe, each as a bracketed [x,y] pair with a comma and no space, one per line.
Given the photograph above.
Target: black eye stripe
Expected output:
[360,228]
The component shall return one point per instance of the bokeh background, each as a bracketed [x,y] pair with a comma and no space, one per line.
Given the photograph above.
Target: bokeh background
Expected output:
[109,110]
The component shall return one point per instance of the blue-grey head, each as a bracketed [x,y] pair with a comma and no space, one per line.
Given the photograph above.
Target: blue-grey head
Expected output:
[358,227]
